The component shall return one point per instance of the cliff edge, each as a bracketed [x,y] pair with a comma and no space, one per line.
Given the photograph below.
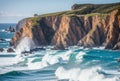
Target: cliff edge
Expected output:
[85,25]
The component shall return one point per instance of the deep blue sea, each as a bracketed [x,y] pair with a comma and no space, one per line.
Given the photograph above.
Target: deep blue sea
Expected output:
[74,64]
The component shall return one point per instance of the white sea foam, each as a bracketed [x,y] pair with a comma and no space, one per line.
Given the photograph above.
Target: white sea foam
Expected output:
[49,59]
[78,74]
[58,58]
[3,30]
[79,56]
[52,57]
[9,59]
[7,39]
[25,45]
[37,65]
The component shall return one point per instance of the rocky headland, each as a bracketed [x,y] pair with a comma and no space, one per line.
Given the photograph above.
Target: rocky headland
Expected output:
[87,25]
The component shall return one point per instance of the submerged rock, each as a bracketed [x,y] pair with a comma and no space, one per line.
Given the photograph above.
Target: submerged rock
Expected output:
[2,40]
[1,49]
[59,47]
[37,49]
[10,50]
[118,60]
[117,46]
[27,52]
[32,50]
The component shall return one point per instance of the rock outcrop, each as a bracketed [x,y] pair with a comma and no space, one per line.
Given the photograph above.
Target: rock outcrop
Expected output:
[1,49]
[2,40]
[11,29]
[105,31]
[67,28]
[10,50]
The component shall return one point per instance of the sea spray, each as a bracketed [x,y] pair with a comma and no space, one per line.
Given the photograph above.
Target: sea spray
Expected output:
[26,44]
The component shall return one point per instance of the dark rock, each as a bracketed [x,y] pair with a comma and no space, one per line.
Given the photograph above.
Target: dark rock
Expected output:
[59,47]
[2,40]
[118,60]
[32,50]
[37,49]
[117,46]
[1,49]
[26,52]
[11,29]
[10,50]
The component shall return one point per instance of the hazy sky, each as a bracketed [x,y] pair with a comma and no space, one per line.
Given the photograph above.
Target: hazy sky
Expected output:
[11,11]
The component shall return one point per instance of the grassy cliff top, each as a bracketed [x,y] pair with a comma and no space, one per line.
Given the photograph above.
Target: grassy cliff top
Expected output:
[82,9]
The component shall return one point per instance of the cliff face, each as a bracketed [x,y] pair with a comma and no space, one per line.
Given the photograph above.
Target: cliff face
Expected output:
[65,30]
[105,31]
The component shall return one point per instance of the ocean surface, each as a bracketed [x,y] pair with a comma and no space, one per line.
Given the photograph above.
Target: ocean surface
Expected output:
[74,64]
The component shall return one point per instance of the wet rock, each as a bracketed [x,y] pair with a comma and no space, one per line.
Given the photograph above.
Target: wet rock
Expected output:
[117,46]
[37,49]
[1,49]
[10,50]
[26,52]
[2,40]
[11,29]
[118,60]
[32,50]
[59,47]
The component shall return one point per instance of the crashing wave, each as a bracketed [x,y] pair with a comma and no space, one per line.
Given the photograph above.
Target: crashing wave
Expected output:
[26,44]
[53,57]
[77,74]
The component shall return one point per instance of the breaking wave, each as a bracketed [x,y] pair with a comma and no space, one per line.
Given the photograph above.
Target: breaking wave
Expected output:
[75,64]
[77,74]
[26,44]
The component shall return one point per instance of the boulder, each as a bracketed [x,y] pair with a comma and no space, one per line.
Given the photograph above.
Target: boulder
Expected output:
[10,50]
[1,49]
[1,40]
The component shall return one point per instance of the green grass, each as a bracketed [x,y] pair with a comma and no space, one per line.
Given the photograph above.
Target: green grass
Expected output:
[53,14]
[82,10]
[92,14]
[98,8]
[34,20]
[87,9]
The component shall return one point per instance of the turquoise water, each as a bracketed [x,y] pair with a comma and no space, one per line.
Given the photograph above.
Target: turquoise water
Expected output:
[74,64]
[5,35]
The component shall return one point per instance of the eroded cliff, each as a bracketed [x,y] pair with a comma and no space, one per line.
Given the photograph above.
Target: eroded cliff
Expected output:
[70,28]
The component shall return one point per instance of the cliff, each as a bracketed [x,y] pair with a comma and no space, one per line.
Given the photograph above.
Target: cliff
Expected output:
[85,25]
